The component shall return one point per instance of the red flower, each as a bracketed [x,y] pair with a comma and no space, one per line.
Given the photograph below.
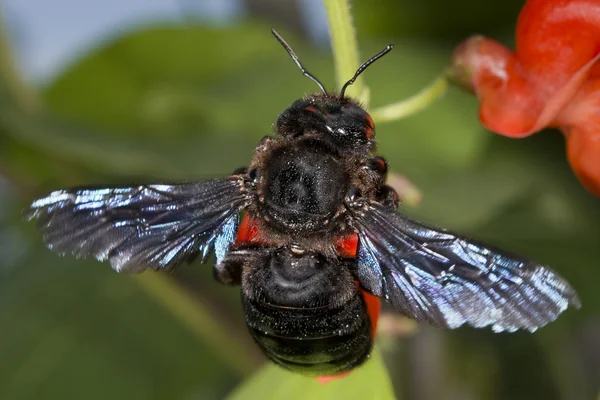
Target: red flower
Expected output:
[552,79]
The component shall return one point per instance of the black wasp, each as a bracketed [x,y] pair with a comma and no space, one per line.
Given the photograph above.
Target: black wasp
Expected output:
[320,228]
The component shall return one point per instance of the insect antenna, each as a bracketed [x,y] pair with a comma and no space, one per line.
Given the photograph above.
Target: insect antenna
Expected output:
[364,66]
[297,61]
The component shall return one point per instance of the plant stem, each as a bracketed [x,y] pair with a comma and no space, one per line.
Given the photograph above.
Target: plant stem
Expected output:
[12,80]
[344,44]
[412,105]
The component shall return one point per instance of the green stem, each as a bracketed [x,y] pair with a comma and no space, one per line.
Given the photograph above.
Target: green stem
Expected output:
[344,44]
[12,80]
[192,313]
[412,105]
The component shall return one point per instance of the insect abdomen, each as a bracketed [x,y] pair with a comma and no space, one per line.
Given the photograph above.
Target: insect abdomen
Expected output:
[313,341]
[306,312]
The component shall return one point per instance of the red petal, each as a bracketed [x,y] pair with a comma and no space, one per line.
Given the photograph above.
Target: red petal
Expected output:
[507,104]
[580,122]
[583,151]
[556,38]
[558,43]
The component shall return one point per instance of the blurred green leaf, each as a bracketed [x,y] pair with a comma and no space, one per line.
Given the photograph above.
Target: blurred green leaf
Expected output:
[370,381]
[125,156]
[74,143]
[132,81]
[77,330]
[471,199]
[196,315]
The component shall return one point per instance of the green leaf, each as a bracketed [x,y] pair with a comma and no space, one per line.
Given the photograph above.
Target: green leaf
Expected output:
[370,381]
[472,197]
[156,73]
[76,329]
[82,145]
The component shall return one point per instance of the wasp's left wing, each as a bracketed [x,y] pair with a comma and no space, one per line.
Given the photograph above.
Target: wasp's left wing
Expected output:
[142,227]
[436,276]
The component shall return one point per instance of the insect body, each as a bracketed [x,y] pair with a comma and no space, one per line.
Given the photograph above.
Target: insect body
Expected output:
[320,230]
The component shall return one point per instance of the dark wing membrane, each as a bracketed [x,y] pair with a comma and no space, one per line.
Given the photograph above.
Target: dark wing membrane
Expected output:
[142,227]
[448,280]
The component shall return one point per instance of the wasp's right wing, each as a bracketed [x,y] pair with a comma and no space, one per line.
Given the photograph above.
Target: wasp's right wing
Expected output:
[433,275]
[142,227]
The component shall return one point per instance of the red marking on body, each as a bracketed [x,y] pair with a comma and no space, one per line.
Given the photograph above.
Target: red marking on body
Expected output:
[346,245]
[310,108]
[326,379]
[248,232]
[396,197]
[373,309]
[370,131]
[370,121]
[382,163]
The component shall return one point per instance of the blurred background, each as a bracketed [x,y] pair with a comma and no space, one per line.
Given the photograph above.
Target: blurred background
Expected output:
[167,90]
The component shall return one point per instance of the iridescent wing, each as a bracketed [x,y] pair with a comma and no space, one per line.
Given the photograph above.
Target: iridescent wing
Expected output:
[448,280]
[142,227]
